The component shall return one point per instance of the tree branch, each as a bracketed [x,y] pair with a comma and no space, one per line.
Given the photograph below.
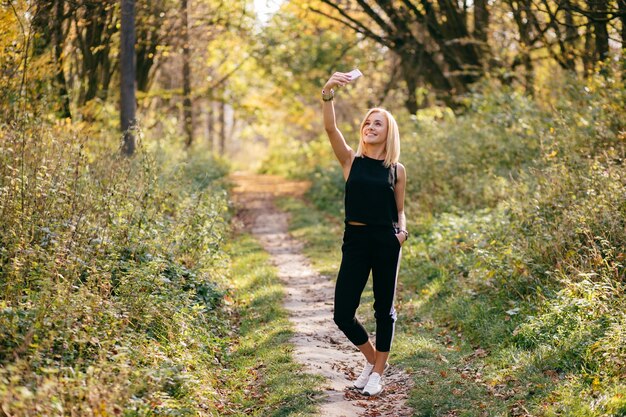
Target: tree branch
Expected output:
[355,25]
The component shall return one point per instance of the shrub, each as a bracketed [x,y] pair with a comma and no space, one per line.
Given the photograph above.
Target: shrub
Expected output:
[108,275]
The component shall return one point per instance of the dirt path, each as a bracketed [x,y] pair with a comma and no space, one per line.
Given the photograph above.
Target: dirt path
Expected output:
[319,345]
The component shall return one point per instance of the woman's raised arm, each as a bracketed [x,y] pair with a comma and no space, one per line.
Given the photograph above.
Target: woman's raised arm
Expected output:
[342,151]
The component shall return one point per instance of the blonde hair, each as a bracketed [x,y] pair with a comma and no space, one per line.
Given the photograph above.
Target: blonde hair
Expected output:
[392,145]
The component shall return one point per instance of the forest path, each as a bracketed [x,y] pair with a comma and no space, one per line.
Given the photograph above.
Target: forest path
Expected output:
[319,345]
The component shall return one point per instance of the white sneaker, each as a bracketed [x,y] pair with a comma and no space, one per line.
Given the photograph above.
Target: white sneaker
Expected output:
[361,381]
[374,385]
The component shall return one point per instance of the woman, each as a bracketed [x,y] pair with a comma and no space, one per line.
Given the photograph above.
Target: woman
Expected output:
[375,229]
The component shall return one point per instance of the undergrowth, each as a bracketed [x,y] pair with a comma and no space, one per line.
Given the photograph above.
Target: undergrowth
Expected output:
[110,275]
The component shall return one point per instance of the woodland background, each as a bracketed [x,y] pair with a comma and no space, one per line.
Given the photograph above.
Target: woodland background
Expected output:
[117,258]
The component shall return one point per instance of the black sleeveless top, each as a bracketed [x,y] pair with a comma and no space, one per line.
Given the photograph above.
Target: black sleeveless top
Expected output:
[369,194]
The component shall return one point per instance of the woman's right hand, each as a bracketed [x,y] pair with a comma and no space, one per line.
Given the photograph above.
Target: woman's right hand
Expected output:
[338,79]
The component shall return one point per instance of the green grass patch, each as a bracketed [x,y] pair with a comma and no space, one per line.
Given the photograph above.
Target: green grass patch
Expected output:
[260,376]
[110,274]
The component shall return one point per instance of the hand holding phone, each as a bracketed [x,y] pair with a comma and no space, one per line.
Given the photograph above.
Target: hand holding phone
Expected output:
[354,74]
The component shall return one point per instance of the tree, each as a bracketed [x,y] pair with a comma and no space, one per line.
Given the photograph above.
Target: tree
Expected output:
[127,72]
[622,14]
[95,24]
[598,13]
[153,25]
[436,45]
[187,111]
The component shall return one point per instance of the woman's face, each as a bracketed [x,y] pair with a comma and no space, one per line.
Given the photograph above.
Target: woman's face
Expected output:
[375,129]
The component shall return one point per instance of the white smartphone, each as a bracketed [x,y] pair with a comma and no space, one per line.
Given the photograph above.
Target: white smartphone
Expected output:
[354,74]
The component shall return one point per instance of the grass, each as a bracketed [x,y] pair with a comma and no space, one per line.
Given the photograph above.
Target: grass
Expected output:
[119,294]
[260,376]
[109,303]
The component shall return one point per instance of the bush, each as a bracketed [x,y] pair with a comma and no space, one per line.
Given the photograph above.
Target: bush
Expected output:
[108,276]
[524,251]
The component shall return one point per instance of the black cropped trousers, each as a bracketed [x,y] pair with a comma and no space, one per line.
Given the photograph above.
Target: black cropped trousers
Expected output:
[367,249]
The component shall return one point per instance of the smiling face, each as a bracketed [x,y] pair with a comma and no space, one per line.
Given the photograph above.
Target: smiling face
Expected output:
[375,128]
[380,138]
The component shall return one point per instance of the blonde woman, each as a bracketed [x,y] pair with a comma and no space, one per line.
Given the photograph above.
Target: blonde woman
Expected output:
[375,230]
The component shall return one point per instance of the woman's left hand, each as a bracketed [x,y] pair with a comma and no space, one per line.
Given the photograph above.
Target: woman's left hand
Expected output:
[401,238]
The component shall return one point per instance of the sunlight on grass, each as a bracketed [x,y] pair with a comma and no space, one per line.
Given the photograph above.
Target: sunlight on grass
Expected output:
[260,376]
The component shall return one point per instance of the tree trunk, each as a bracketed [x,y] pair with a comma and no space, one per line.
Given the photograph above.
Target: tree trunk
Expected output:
[529,72]
[588,55]
[91,60]
[41,23]
[622,13]
[430,38]
[58,60]
[210,121]
[150,28]
[95,24]
[222,127]
[128,103]
[410,78]
[522,15]
[481,21]
[571,35]
[187,111]
[599,9]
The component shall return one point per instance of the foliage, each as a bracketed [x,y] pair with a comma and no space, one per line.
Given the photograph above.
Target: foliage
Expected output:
[110,276]
[534,271]
[446,47]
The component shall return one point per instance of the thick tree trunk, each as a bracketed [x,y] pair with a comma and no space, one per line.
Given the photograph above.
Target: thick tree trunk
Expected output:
[481,20]
[58,60]
[431,38]
[127,72]
[529,73]
[187,110]
[571,35]
[599,9]
[419,69]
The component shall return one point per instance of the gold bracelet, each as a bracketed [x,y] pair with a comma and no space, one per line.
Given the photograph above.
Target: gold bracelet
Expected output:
[328,97]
